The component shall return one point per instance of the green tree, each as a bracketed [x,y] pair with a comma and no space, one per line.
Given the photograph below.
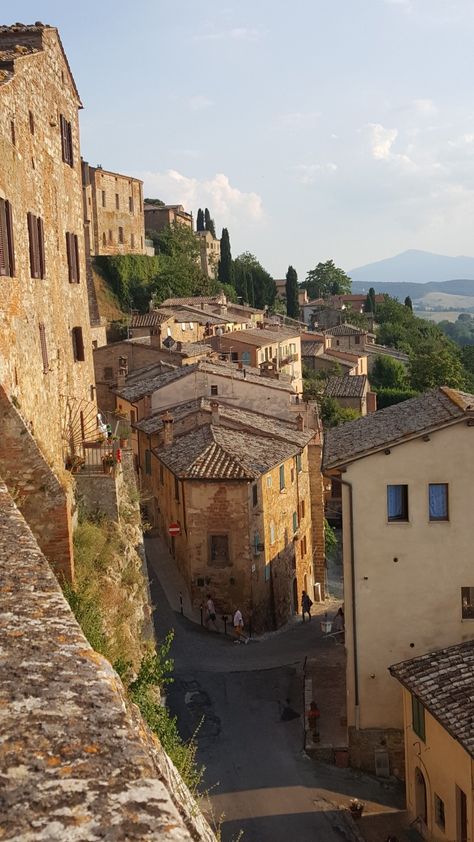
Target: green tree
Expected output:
[157,202]
[388,373]
[333,414]
[200,220]
[225,270]
[209,223]
[292,304]
[435,362]
[408,303]
[326,279]
[180,272]
[250,274]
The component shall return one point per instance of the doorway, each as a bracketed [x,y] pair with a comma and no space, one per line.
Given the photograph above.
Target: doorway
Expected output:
[420,796]
[295,596]
[461,815]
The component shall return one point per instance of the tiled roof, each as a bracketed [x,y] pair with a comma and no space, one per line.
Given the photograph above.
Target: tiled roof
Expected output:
[392,425]
[346,330]
[150,384]
[371,348]
[329,357]
[262,336]
[443,681]
[310,349]
[184,313]
[349,386]
[156,317]
[215,452]
[232,416]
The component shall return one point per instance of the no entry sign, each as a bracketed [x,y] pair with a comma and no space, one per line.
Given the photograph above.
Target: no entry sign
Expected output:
[174,529]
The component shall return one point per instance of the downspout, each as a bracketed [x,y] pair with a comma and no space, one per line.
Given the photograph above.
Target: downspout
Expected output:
[354,623]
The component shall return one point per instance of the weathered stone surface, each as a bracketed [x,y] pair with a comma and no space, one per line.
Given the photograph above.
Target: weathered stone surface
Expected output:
[76,763]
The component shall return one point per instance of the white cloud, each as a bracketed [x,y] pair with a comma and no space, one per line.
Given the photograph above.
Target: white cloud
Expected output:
[382,140]
[309,173]
[199,102]
[217,193]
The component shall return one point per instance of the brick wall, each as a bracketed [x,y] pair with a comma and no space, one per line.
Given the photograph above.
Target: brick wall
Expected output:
[364,742]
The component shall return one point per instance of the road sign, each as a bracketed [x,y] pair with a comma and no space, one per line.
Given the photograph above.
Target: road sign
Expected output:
[174,529]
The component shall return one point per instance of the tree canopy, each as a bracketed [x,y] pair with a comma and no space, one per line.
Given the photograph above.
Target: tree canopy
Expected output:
[209,223]
[225,270]
[292,304]
[326,279]
[388,373]
[254,280]
[200,220]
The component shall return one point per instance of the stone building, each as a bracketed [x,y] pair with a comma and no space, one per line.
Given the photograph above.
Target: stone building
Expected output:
[346,337]
[352,391]
[406,477]
[46,368]
[210,252]
[158,217]
[238,484]
[113,211]
[274,350]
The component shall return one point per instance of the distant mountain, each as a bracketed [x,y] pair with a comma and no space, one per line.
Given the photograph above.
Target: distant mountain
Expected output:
[417,292]
[413,266]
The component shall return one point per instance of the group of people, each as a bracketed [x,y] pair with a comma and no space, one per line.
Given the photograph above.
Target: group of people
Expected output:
[237,621]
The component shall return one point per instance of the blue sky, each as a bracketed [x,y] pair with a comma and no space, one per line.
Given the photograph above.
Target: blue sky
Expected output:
[315,129]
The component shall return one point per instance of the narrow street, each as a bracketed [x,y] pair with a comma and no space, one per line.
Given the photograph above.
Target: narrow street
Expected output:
[258,777]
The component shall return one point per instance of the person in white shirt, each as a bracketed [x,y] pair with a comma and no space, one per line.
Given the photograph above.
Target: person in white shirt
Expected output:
[239,628]
[210,613]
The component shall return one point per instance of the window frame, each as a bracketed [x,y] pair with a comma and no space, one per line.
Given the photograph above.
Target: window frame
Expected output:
[468,612]
[7,248]
[444,518]
[404,516]
[72,252]
[78,344]
[225,560]
[36,244]
[148,462]
[418,717]
[282,477]
[66,141]
[439,812]
[255,494]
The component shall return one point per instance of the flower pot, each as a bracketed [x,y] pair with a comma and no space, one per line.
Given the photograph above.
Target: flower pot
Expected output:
[356,812]
[326,626]
[123,442]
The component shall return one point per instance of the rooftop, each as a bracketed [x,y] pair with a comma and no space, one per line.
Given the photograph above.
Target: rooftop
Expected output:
[217,452]
[348,386]
[16,42]
[262,336]
[443,681]
[395,424]
[346,330]
[151,319]
[196,301]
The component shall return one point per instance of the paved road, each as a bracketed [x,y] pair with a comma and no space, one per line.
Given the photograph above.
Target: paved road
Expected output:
[255,768]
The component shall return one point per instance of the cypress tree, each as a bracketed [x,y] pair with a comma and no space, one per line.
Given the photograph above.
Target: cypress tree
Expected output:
[209,223]
[292,306]
[225,273]
[408,303]
[200,220]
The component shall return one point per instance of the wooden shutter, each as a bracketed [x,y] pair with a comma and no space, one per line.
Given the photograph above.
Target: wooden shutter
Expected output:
[78,344]
[69,256]
[76,257]
[41,262]
[3,239]
[63,137]
[11,245]
[33,238]
[69,141]
[44,347]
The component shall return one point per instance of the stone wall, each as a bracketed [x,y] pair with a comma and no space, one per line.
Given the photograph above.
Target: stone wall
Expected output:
[77,759]
[112,202]
[363,744]
[100,493]
[45,504]
[317,513]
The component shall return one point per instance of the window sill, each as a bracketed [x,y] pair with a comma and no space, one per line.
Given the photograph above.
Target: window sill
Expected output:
[398,522]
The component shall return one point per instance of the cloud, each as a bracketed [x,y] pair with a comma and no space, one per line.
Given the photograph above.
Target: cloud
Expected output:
[200,102]
[217,193]
[382,140]
[309,173]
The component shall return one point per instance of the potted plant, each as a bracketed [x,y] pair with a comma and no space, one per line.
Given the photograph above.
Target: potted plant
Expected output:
[356,808]
[108,463]
[124,436]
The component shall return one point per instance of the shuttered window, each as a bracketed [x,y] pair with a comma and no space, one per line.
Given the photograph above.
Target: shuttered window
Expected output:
[66,141]
[7,252]
[120,235]
[36,238]
[77,344]
[72,249]
[44,348]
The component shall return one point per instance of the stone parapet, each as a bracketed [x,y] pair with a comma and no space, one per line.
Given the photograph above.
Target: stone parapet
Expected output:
[77,762]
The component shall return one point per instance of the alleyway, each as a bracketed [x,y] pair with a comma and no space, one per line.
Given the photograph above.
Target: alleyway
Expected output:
[258,776]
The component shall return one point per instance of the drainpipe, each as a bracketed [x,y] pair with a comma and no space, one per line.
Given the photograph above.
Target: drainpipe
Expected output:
[354,623]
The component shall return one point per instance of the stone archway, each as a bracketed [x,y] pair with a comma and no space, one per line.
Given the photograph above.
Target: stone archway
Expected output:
[421,803]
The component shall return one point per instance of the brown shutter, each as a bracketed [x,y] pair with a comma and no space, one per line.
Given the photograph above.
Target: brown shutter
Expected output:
[76,255]
[78,344]
[41,262]
[69,139]
[33,236]
[69,256]
[3,239]
[44,348]
[11,244]
[63,136]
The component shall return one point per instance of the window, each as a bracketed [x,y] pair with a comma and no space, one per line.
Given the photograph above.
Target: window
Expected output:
[302,509]
[292,475]
[108,372]
[148,461]
[77,344]
[245,357]
[269,482]
[104,239]
[12,132]
[357,340]
[117,201]
[272,533]
[467,602]
[295,522]
[111,238]
[282,477]
[298,463]
[132,416]
[397,503]
[72,250]
[132,241]
[7,253]
[162,475]
[254,494]
[176,489]
[32,122]
[66,141]
[103,198]
[418,717]
[130,204]
[44,348]
[438,501]
[439,812]
[219,550]
[213,390]
[120,235]
[36,237]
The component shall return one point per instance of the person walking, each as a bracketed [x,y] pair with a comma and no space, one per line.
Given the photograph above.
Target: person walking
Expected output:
[306,604]
[210,613]
[338,621]
[239,628]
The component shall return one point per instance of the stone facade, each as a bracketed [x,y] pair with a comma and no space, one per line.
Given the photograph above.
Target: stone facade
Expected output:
[159,217]
[210,251]
[113,209]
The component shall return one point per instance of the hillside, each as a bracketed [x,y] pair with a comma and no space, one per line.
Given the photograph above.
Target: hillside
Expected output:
[413,266]
[418,291]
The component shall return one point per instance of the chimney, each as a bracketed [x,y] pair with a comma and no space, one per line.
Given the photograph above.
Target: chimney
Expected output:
[202,305]
[147,406]
[299,422]
[155,337]
[151,305]
[215,412]
[167,420]
[179,346]
[121,377]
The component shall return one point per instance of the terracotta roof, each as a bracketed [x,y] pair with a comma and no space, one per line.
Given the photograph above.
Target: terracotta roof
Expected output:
[149,384]
[346,330]
[203,299]
[215,452]
[184,313]
[393,425]
[345,355]
[349,386]
[310,349]
[329,357]
[229,415]
[156,317]
[443,681]
[261,336]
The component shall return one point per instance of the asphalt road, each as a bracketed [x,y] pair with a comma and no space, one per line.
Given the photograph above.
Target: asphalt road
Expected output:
[258,778]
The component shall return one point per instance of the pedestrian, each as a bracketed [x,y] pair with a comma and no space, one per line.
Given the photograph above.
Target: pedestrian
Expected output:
[306,604]
[339,621]
[313,720]
[210,612]
[239,628]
